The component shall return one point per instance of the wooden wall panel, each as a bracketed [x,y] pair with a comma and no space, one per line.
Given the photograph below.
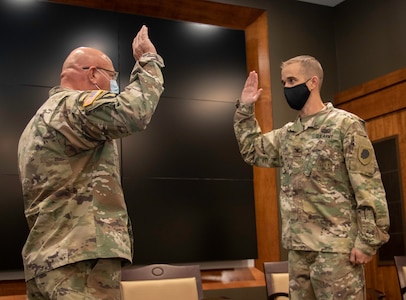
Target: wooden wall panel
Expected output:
[382,103]
[265,189]
[375,98]
[384,277]
[14,297]
[387,100]
[12,288]
[201,11]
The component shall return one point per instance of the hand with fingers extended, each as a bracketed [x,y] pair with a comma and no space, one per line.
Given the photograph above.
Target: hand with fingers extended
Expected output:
[142,44]
[250,92]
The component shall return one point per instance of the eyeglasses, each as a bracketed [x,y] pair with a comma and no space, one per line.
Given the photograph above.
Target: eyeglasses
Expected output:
[113,74]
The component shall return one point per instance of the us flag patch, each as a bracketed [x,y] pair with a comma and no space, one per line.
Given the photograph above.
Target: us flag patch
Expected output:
[91,97]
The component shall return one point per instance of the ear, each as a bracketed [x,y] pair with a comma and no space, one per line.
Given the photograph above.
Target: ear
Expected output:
[314,82]
[91,74]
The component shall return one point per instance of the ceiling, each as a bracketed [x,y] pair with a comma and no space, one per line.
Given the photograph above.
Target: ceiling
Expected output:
[331,3]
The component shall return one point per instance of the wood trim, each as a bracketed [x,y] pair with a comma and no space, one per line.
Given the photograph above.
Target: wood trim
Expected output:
[12,287]
[14,297]
[376,97]
[371,86]
[375,105]
[201,11]
[266,203]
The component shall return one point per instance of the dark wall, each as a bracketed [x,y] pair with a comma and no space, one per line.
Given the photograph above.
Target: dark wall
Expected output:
[189,194]
[370,40]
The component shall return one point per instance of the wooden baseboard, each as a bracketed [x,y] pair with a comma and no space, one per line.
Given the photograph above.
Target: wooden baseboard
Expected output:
[12,288]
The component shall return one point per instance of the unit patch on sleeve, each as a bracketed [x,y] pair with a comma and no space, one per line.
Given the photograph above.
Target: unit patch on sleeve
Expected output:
[365,150]
[91,97]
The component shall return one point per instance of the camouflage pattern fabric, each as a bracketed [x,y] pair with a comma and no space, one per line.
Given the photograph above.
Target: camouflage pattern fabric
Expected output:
[324,276]
[69,170]
[97,279]
[331,198]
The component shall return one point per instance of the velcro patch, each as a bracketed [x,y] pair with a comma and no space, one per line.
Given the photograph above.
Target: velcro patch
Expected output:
[91,97]
[365,150]
[364,155]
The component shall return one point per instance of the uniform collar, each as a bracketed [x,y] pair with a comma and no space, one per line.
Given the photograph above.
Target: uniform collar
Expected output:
[312,121]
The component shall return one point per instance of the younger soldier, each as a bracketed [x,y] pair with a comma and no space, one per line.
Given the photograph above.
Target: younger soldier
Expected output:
[333,205]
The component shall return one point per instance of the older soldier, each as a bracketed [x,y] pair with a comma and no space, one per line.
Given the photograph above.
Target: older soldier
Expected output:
[333,205]
[80,233]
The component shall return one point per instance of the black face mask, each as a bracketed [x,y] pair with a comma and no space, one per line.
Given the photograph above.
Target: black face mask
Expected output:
[297,95]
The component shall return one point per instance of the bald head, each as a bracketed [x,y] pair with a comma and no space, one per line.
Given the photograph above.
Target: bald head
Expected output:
[73,75]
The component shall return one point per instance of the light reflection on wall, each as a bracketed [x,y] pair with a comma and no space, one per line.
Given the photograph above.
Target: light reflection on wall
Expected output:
[21,3]
[201,29]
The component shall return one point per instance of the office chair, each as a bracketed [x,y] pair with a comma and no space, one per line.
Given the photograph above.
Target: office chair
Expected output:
[161,281]
[276,279]
[400,263]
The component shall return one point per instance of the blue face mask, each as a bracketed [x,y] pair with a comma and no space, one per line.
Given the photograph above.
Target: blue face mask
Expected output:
[114,86]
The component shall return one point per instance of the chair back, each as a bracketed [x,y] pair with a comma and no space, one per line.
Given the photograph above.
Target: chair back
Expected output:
[277,279]
[400,263]
[161,281]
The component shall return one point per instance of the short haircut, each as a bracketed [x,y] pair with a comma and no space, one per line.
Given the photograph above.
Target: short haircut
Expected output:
[310,66]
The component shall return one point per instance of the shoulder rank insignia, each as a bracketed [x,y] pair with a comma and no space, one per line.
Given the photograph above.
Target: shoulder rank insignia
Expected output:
[91,97]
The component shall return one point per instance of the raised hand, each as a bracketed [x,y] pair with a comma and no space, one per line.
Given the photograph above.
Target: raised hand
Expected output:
[142,44]
[251,93]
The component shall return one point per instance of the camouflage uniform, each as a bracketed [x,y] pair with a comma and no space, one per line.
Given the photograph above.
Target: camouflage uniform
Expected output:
[84,280]
[69,169]
[331,196]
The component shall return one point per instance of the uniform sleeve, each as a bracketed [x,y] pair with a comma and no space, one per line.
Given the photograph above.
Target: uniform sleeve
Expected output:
[365,177]
[111,116]
[256,149]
